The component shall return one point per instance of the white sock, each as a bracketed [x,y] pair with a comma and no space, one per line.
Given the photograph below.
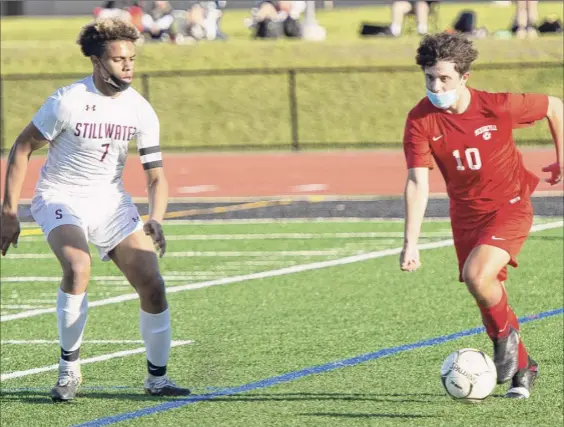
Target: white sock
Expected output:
[71,321]
[422,29]
[395,29]
[156,332]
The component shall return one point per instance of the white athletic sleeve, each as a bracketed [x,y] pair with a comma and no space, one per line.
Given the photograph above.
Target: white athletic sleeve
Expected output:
[148,138]
[53,116]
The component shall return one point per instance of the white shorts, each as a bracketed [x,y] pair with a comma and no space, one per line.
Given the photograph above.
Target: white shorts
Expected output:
[106,221]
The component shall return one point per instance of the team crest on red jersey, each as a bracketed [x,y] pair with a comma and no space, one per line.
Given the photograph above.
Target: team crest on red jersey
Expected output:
[485,131]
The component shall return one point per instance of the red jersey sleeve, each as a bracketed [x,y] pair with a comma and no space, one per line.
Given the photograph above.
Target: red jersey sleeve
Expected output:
[526,108]
[416,145]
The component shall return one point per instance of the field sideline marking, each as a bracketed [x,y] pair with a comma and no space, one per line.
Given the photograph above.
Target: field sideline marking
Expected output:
[237,254]
[283,236]
[103,357]
[292,376]
[270,273]
[32,229]
[40,342]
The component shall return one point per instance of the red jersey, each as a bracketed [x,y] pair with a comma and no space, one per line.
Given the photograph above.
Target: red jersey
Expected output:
[475,150]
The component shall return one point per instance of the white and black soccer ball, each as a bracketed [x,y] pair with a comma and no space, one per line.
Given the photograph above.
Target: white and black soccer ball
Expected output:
[468,375]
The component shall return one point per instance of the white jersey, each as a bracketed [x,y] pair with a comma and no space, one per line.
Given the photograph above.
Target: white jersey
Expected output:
[89,134]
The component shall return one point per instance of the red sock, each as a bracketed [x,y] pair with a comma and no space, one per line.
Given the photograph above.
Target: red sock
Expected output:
[497,320]
[496,317]
[523,355]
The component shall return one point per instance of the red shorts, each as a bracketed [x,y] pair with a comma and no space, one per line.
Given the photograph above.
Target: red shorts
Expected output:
[507,228]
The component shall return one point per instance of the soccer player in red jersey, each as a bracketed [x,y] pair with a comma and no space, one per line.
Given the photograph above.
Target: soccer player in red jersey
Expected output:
[468,134]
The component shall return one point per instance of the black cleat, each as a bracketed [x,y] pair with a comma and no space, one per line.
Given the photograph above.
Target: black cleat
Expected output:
[67,386]
[506,355]
[522,382]
[162,386]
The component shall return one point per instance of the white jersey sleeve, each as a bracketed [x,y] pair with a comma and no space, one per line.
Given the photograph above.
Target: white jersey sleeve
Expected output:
[148,138]
[53,116]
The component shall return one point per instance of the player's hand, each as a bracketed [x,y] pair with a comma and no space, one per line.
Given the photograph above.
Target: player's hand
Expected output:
[409,259]
[556,171]
[10,232]
[153,228]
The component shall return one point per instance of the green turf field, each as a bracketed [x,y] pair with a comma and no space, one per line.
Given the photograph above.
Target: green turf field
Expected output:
[254,329]
[340,109]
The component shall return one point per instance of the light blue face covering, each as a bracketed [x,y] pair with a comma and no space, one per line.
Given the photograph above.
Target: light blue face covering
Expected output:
[443,100]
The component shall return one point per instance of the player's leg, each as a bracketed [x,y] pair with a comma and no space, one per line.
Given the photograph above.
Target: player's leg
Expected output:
[136,258]
[67,239]
[122,239]
[485,271]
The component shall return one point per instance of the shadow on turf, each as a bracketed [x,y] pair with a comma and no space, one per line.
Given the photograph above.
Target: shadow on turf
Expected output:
[37,397]
[357,415]
[359,397]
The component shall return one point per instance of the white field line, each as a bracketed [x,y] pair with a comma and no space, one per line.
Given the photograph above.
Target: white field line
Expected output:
[265,274]
[41,342]
[331,220]
[102,358]
[17,306]
[30,301]
[210,254]
[251,221]
[282,236]
[117,279]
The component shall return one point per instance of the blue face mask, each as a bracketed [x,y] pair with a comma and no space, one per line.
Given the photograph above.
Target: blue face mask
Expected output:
[443,100]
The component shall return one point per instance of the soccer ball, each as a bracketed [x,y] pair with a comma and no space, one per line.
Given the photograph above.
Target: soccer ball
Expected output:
[468,375]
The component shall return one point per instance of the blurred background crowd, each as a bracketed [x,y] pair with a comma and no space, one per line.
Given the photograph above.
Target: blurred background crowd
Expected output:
[201,20]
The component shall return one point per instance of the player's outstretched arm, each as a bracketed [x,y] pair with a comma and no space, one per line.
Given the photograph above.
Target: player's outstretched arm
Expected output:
[555,116]
[415,198]
[28,141]
[157,187]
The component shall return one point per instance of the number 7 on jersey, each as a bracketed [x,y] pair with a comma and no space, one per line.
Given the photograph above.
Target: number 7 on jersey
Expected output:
[105,151]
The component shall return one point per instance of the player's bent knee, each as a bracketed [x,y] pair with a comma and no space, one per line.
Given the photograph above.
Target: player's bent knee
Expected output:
[151,291]
[476,278]
[78,268]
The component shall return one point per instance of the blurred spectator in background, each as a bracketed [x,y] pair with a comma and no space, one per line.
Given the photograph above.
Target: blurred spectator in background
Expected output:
[273,19]
[136,12]
[526,18]
[126,10]
[201,21]
[112,9]
[400,9]
[158,21]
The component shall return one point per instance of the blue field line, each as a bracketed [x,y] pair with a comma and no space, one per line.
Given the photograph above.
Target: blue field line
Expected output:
[291,376]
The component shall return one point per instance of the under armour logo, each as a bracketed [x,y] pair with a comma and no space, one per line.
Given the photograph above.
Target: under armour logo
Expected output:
[88,107]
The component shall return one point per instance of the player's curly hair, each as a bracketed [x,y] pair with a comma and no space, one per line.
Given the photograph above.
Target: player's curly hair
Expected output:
[455,48]
[94,36]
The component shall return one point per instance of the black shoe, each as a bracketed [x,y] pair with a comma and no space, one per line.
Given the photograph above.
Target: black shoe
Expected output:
[163,386]
[67,386]
[522,382]
[506,355]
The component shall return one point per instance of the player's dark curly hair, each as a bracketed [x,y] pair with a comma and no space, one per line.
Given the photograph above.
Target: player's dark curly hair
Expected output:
[455,48]
[94,37]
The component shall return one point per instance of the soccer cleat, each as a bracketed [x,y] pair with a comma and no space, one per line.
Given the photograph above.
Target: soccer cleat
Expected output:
[163,386]
[67,386]
[506,355]
[522,382]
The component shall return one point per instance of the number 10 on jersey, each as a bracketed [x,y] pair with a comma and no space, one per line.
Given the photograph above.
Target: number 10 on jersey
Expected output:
[473,159]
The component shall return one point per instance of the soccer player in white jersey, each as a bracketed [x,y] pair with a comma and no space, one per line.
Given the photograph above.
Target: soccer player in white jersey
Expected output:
[80,197]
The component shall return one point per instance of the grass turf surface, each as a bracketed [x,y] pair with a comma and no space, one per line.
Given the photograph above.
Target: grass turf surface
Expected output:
[345,109]
[247,331]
